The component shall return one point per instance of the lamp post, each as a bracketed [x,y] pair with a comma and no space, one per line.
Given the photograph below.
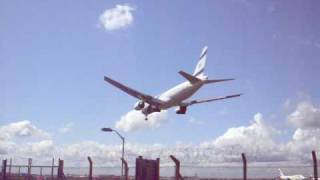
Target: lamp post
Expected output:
[122,138]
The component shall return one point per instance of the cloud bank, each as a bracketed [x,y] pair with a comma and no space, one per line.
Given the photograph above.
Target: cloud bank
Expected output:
[257,140]
[18,130]
[117,17]
[306,118]
[21,129]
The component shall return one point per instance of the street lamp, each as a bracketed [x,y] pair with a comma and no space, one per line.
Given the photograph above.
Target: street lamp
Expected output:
[122,138]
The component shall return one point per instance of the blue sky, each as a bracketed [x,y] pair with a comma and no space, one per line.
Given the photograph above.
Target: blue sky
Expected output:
[53,56]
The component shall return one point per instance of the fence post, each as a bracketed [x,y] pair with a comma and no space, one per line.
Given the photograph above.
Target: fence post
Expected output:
[3,171]
[139,168]
[90,168]
[60,170]
[158,168]
[177,171]
[126,169]
[10,167]
[315,165]
[29,168]
[52,168]
[244,160]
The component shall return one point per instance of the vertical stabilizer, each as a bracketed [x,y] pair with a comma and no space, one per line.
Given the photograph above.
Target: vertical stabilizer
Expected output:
[281,173]
[202,62]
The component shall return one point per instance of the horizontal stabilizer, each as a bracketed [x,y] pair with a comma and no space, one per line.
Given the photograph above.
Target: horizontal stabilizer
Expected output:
[189,77]
[209,100]
[217,80]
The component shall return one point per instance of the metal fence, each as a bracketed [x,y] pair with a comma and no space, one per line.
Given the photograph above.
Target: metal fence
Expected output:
[175,171]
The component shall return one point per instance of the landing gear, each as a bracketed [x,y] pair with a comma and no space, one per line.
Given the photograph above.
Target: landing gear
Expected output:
[181,110]
[146,118]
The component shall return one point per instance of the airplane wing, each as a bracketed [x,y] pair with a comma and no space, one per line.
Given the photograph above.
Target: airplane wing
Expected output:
[209,100]
[144,97]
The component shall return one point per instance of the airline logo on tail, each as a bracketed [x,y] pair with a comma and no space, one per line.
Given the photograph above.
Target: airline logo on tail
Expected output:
[202,62]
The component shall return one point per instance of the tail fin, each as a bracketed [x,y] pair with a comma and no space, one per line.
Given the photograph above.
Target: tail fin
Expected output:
[281,173]
[202,62]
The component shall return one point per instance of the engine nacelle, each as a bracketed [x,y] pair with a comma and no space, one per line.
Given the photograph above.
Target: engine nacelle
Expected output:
[139,105]
[181,110]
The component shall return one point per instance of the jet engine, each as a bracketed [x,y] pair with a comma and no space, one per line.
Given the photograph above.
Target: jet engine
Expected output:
[181,110]
[139,105]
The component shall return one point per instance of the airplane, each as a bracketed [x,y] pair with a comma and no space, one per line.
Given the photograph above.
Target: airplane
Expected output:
[312,178]
[176,96]
[292,177]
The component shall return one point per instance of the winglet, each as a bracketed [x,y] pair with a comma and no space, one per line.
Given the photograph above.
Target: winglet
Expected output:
[189,77]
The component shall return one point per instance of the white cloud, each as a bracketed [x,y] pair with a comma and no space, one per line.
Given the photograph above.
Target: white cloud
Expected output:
[40,149]
[17,130]
[116,18]
[135,120]
[257,132]
[67,127]
[6,146]
[306,118]
[306,134]
[303,142]
[21,129]
[77,151]
[42,146]
[255,139]
[306,115]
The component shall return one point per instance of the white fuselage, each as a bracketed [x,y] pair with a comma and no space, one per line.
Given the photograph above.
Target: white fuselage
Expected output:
[293,177]
[176,95]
